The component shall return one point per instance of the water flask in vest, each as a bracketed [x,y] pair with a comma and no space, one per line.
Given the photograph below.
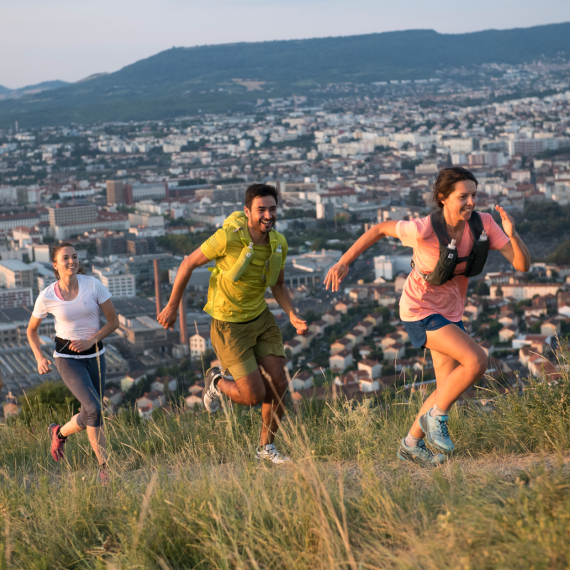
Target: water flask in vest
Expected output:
[234,274]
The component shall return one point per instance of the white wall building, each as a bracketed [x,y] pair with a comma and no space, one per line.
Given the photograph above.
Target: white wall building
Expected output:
[118,284]
[388,266]
[200,343]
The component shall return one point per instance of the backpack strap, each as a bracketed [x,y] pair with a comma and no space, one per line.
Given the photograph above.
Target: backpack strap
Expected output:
[476,225]
[438,224]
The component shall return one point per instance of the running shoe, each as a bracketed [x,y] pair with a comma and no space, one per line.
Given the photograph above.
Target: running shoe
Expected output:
[420,454]
[437,434]
[211,395]
[57,443]
[269,453]
[104,475]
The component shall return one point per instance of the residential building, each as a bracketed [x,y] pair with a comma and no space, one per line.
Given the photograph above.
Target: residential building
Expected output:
[132,379]
[142,333]
[341,360]
[319,327]
[508,333]
[199,344]
[164,383]
[295,346]
[341,344]
[388,266]
[372,367]
[112,396]
[118,284]
[367,384]
[12,298]
[550,327]
[539,366]
[343,306]
[63,214]
[306,339]
[149,191]
[301,381]
[522,291]
[332,317]
[394,351]
[365,326]
[15,274]
[374,318]
[356,336]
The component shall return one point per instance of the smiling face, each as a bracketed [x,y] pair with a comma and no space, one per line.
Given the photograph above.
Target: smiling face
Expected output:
[462,201]
[66,262]
[263,214]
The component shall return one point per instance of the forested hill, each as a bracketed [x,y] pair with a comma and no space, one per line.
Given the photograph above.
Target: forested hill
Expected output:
[179,81]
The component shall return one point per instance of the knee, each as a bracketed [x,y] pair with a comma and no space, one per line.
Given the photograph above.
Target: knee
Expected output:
[479,362]
[256,396]
[94,415]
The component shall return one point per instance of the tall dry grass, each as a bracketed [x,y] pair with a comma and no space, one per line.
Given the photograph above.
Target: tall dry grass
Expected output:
[186,492]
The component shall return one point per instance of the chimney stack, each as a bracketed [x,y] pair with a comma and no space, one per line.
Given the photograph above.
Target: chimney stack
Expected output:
[184,339]
[157,287]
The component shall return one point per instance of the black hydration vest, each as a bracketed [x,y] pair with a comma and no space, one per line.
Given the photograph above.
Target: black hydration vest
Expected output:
[448,256]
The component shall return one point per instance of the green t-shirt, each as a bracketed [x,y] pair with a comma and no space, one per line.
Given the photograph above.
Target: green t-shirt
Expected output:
[243,300]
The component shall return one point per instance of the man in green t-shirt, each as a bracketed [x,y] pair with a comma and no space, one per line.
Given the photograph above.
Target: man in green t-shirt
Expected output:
[250,256]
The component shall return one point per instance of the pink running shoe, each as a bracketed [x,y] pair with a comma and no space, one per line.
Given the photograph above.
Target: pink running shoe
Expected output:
[104,475]
[57,444]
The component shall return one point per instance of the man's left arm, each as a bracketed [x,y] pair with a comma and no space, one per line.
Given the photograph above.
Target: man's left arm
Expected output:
[281,294]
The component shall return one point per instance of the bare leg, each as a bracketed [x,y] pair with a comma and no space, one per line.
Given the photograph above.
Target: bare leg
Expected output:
[256,388]
[96,437]
[443,366]
[98,442]
[458,362]
[276,385]
[70,427]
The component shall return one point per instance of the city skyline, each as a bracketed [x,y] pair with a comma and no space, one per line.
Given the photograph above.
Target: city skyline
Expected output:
[68,42]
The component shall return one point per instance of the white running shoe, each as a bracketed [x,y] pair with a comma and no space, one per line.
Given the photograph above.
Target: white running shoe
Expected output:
[269,453]
[211,395]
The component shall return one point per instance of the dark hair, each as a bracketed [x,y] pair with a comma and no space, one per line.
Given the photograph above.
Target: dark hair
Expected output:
[446,180]
[53,257]
[256,190]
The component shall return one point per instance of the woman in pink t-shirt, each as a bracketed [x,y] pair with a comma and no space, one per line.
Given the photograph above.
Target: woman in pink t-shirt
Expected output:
[432,313]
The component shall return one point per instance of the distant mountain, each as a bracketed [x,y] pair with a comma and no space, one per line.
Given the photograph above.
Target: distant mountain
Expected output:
[6,93]
[214,78]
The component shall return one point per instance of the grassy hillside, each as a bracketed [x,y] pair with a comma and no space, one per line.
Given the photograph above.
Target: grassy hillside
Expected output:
[176,81]
[187,493]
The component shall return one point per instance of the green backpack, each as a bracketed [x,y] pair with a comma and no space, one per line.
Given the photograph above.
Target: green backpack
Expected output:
[448,255]
[237,223]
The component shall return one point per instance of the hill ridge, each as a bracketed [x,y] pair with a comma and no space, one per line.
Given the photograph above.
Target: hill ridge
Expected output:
[181,80]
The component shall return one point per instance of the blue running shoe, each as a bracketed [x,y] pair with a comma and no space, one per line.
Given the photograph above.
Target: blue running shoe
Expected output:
[420,455]
[437,434]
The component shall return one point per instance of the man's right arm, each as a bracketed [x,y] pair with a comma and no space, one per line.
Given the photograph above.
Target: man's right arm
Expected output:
[168,316]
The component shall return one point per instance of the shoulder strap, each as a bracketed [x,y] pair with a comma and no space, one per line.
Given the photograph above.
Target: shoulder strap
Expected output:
[476,225]
[438,224]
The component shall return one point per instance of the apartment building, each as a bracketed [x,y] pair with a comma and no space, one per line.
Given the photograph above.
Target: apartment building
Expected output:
[15,274]
[12,298]
[118,284]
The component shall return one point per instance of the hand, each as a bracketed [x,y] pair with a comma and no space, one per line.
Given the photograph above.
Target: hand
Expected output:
[168,317]
[44,365]
[81,345]
[336,275]
[508,222]
[299,324]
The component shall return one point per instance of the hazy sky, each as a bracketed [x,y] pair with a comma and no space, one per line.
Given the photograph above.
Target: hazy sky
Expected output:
[71,39]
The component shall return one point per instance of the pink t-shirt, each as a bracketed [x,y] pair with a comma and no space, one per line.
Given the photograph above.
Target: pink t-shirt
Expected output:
[420,299]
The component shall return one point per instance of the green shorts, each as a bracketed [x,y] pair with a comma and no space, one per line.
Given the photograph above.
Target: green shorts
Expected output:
[240,345]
